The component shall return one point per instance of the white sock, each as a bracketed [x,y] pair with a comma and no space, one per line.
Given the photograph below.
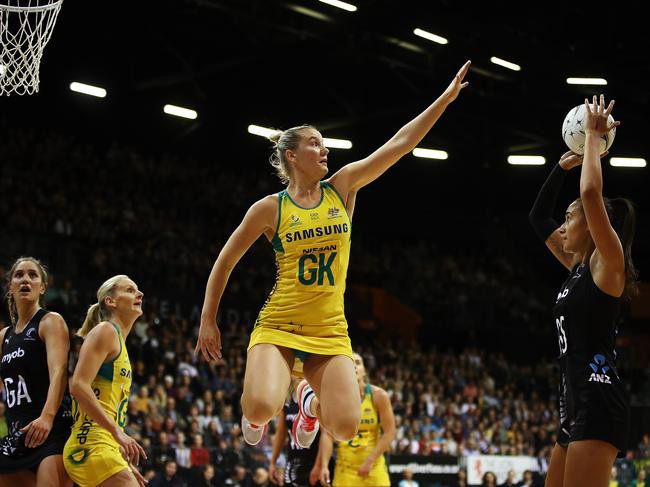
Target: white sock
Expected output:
[306,398]
[252,425]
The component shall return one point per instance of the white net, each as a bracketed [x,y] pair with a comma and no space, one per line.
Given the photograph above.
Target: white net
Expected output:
[25,29]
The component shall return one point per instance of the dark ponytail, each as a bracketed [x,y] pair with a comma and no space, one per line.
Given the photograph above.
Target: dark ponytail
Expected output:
[622,216]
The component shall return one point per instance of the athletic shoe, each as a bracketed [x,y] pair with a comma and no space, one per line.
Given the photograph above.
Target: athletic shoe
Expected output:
[305,427]
[252,434]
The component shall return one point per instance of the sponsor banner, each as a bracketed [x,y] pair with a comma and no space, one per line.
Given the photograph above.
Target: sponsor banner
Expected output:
[426,469]
[477,465]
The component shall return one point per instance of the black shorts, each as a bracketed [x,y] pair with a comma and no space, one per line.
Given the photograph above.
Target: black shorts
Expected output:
[16,457]
[593,408]
[296,473]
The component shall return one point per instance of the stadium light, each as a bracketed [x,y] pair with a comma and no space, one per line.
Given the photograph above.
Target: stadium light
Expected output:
[88,89]
[430,36]
[526,160]
[180,112]
[627,162]
[430,153]
[337,143]
[505,64]
[342,5]
[329,142]
[586,81]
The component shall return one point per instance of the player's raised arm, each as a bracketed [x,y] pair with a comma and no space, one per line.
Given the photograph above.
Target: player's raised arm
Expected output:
[260,218]
[360,173]
[608,244]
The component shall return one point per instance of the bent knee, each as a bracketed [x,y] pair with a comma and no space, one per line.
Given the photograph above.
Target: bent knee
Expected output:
[345,429]
[259,410]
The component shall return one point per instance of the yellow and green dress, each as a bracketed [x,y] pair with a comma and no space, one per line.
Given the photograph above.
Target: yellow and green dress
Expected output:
[305,309]
[350,455]
[91,454]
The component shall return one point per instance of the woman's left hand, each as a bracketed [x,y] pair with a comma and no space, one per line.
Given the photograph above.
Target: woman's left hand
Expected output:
[457,84]
[597,117]
[37,431]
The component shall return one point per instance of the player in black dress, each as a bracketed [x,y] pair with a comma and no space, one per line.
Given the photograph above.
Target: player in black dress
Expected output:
[34,375]
[302,467]
[594,244]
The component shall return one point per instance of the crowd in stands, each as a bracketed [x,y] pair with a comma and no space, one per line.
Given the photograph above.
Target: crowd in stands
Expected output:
[151,218]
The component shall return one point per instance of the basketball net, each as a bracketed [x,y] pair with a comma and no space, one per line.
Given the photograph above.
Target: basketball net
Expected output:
[25,29]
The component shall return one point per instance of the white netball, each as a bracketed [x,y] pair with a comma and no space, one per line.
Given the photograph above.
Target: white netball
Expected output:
[573,131]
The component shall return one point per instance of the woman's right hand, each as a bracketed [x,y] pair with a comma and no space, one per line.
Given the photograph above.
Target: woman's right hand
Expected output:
[570,159]
[130,449]
[209,340]
[276,475]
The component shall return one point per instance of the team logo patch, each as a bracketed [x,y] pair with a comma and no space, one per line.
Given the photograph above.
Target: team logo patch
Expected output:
[79,456]
[333,213]
[30,334]
[600,368]
[295,220]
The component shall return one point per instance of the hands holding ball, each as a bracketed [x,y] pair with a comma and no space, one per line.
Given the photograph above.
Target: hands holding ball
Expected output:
[592,117]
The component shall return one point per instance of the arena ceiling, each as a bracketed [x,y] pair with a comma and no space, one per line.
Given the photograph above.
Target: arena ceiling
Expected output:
[355,75]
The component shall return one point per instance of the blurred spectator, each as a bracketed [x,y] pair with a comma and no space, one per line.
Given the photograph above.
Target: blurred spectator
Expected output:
[510,480]
[489,480]
[640,479]
[408,481]
[238,478]
[261,477]
[206,477]
[168,477]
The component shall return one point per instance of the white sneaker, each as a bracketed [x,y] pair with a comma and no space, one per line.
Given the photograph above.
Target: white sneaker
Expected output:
[252,435]
[305,428]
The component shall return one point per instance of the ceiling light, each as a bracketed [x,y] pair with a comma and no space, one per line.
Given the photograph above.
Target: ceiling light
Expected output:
[526,160]
[88,89]
[505,64]
[430,153]
[180,112]
[627,162]
[429,36]
[586,81]
[342,5]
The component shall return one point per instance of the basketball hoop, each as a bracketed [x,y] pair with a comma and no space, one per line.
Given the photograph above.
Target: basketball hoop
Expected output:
[25,29]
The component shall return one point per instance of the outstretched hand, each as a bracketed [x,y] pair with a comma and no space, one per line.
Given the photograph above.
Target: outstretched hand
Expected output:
[597,120]
[457,83]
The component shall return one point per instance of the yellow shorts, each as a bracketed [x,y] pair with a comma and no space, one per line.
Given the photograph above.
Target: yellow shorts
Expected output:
[307,339]
[347,476]
[89,465]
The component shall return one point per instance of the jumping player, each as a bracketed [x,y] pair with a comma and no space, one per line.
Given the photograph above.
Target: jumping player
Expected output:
[309,228]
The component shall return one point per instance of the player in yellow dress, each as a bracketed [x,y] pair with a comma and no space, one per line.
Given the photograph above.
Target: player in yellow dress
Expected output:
[98,451]
[309,228]
[360,462]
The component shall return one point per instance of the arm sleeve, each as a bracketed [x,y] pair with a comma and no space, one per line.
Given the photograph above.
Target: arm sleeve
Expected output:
[541,214]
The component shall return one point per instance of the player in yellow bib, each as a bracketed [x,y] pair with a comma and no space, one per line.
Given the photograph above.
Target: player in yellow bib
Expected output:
[309,228]
[98,451]
[360,462]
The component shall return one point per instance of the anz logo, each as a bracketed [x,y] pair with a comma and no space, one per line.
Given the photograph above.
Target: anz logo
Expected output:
[600,369]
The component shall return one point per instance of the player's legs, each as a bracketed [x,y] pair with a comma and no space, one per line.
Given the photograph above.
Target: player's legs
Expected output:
[24,479]
[337,403]
[123,478]
[51,473]
[555,474]
[589,463]
[266,382]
